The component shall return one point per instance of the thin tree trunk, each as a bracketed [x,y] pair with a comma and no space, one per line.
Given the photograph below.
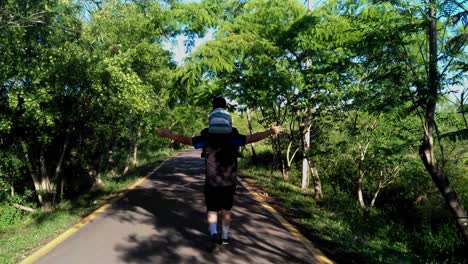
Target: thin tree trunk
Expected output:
[426,150]
[28,155]
[110,162]
[135,150]
[98,180]
[58,168]
[284,170]
[135,155]
[47,186]
[249,123]
[275,153]
[376,194]
[306,135]
[62,184]
[362,153]
[360,195]
[462,104]
[305,148]
[289,157]
[384,182]
[37,185]
[283,167]
[96,166]
[127,161]
[316,181]
[464,118]
[126,168]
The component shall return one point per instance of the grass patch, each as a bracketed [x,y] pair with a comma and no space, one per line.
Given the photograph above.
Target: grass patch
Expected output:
[335,224]
[19,240]
[397,230]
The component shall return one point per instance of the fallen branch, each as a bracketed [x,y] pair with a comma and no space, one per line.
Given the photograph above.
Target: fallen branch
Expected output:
[25,208]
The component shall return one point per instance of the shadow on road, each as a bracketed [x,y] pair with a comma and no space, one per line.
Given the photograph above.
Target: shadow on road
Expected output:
[167,214]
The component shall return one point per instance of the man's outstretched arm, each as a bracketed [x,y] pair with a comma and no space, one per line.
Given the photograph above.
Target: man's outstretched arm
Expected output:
[262,135]
[175,137]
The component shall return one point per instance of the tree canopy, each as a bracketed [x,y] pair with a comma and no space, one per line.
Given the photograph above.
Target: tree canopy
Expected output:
[377,87]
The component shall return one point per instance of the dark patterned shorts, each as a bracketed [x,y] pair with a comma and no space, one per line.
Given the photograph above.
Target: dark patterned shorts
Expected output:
[218,198]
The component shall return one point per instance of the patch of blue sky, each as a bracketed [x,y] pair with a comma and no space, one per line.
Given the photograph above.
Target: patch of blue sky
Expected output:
[177,47]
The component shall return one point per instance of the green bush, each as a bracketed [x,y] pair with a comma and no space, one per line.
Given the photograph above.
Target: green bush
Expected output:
[9,215]
[438,244]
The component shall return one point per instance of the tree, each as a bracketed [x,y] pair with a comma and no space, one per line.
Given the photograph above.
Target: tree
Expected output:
[33,91]
[72,90]
[245,61]
[430,96]
[401,65]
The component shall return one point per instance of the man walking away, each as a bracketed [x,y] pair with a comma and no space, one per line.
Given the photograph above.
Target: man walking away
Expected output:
[220,170]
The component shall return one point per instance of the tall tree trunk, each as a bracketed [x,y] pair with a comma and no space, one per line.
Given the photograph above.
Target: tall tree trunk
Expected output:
[316,181]
[135,149]
[462,106]
[62,185]
[307,126]
[283,167]
[249,123]
[127,164]
[362,203]
[305,148]
[426,150]
[376,194]
[111,162]
[289,157]
[464,118]
[97,179]
[362,152]
[58,168]
[129,154]
[30,162]
[97,164]
[47,187]
[284,170]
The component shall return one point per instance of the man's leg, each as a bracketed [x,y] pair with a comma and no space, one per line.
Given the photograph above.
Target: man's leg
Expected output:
[212,217]
[226,223]
[228,202]
[211,201]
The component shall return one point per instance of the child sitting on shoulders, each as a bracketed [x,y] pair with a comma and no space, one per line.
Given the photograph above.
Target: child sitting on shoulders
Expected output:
[220,121]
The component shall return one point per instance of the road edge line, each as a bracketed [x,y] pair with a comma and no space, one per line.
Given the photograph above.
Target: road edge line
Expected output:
[67,233]
[316,253]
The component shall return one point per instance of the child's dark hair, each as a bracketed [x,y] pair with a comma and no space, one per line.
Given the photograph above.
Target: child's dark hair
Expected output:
[219,102]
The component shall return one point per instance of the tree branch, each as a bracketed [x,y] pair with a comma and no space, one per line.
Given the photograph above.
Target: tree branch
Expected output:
[24,208]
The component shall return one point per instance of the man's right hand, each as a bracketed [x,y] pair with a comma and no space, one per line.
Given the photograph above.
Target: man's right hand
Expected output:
[262,135]
[276,130]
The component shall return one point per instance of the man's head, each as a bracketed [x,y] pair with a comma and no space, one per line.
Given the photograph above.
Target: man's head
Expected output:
[219,102]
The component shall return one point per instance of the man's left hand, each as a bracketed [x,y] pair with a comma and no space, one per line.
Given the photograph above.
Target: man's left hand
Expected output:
[163,132]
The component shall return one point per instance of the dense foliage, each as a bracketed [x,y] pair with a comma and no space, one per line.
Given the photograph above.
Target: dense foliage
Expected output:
[83,85]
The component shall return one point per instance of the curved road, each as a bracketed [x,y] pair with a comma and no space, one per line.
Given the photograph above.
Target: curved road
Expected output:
[163,221]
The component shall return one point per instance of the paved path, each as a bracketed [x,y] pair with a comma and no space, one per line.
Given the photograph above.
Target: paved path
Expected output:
[163,221]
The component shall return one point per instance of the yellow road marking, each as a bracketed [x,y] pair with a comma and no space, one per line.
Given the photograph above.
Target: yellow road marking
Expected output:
[319,257]
[56,241]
